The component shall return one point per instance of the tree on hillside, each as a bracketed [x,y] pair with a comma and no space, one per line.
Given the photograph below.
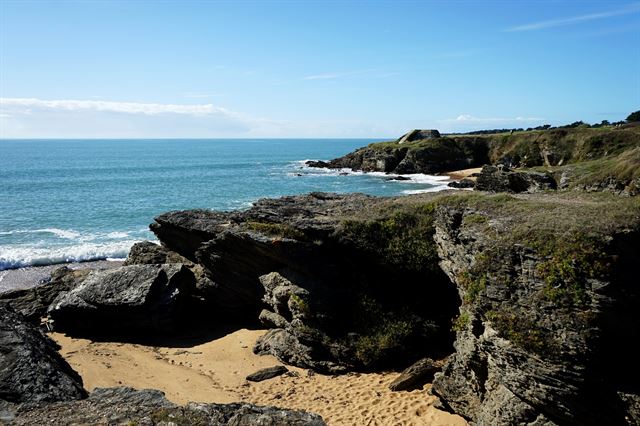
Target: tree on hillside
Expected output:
[634,116]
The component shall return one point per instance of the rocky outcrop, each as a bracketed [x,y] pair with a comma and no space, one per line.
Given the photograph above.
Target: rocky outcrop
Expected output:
[547,310]
[430,156]
[148,253]
[149,407]
[267,373]
[503,179]
[129,299]
[462,184]
[336,301]
[34,302]
[416,375]
[31,370]
[418,135]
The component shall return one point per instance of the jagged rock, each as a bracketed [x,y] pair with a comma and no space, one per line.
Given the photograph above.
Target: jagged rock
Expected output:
[319,164]
[148,253]
[286,346]
[430,155]
[337,293]
[416,376]
[272,320]
[416,135]
[120,406]
[33,302]
[463,183]
[31,369]
[129,299]
[399,178]
[267,373]
[502,179]
[533,347]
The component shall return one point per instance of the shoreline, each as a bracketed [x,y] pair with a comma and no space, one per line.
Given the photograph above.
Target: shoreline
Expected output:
[33,276]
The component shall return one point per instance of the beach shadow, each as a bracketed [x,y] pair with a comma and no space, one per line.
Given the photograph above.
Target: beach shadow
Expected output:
[186,336]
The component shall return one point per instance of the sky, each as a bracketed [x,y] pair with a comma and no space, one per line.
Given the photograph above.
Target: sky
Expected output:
[343,69]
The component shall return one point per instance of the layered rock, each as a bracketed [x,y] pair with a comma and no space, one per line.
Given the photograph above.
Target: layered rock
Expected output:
[34,302]
[549,303]
[430,156]
[418,135]
[348,282]
[503,179]
[31,370]
[126,300]
[149,407]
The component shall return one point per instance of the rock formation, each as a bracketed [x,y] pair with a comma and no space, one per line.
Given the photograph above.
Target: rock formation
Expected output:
[127,406]
[314,277]
[125,300]
[544,289]
[503,179]
[34,302]
[31,370]
[549,302]
[418,135]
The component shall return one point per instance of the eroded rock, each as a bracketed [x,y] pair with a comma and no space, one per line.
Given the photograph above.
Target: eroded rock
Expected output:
[31,370]
[129,299]
[267,373]
[34,302]
[503,179]
[120,406]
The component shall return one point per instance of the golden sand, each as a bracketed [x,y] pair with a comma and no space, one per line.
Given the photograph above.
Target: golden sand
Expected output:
[215,371]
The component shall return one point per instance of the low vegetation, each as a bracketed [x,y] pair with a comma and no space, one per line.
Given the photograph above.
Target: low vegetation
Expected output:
[276,230]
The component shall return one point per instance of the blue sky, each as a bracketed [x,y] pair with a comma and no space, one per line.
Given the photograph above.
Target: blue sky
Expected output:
[312,69]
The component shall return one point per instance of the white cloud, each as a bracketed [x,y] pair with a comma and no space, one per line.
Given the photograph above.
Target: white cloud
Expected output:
[533,26]
[470,119]
[27,104]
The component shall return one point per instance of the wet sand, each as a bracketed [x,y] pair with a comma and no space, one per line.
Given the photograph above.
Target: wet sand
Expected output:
[22,278]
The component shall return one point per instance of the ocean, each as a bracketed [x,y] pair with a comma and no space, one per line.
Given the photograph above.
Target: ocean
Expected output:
[76,200]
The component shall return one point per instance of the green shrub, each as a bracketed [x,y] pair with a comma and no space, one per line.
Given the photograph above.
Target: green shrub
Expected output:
[404,238]
[461,322]
[276,230]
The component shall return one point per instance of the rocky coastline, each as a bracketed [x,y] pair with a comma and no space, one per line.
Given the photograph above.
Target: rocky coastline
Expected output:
[517,300]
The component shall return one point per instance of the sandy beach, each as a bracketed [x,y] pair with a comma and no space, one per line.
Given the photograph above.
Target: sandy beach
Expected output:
[463,174]
[214,371]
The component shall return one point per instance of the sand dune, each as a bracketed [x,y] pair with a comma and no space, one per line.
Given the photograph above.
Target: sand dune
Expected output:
[215,371]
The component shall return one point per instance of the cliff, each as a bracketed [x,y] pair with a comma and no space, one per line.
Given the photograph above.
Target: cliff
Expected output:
[538,289]
[604,158]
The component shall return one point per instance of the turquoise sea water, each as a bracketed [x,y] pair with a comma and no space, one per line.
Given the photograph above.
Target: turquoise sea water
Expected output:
[71,200]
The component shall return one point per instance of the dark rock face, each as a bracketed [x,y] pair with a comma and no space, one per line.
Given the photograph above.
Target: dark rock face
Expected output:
[534,347]
[148,253]
[502,179]
[462,184]
[417,135]
[129,299]
[267,373]
[416,376]
[149,407]
[429,155]
[31,370]
[323,287]
[33,302]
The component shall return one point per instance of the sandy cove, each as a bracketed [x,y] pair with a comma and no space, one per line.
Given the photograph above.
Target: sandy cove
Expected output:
[215,371]
[463,174]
